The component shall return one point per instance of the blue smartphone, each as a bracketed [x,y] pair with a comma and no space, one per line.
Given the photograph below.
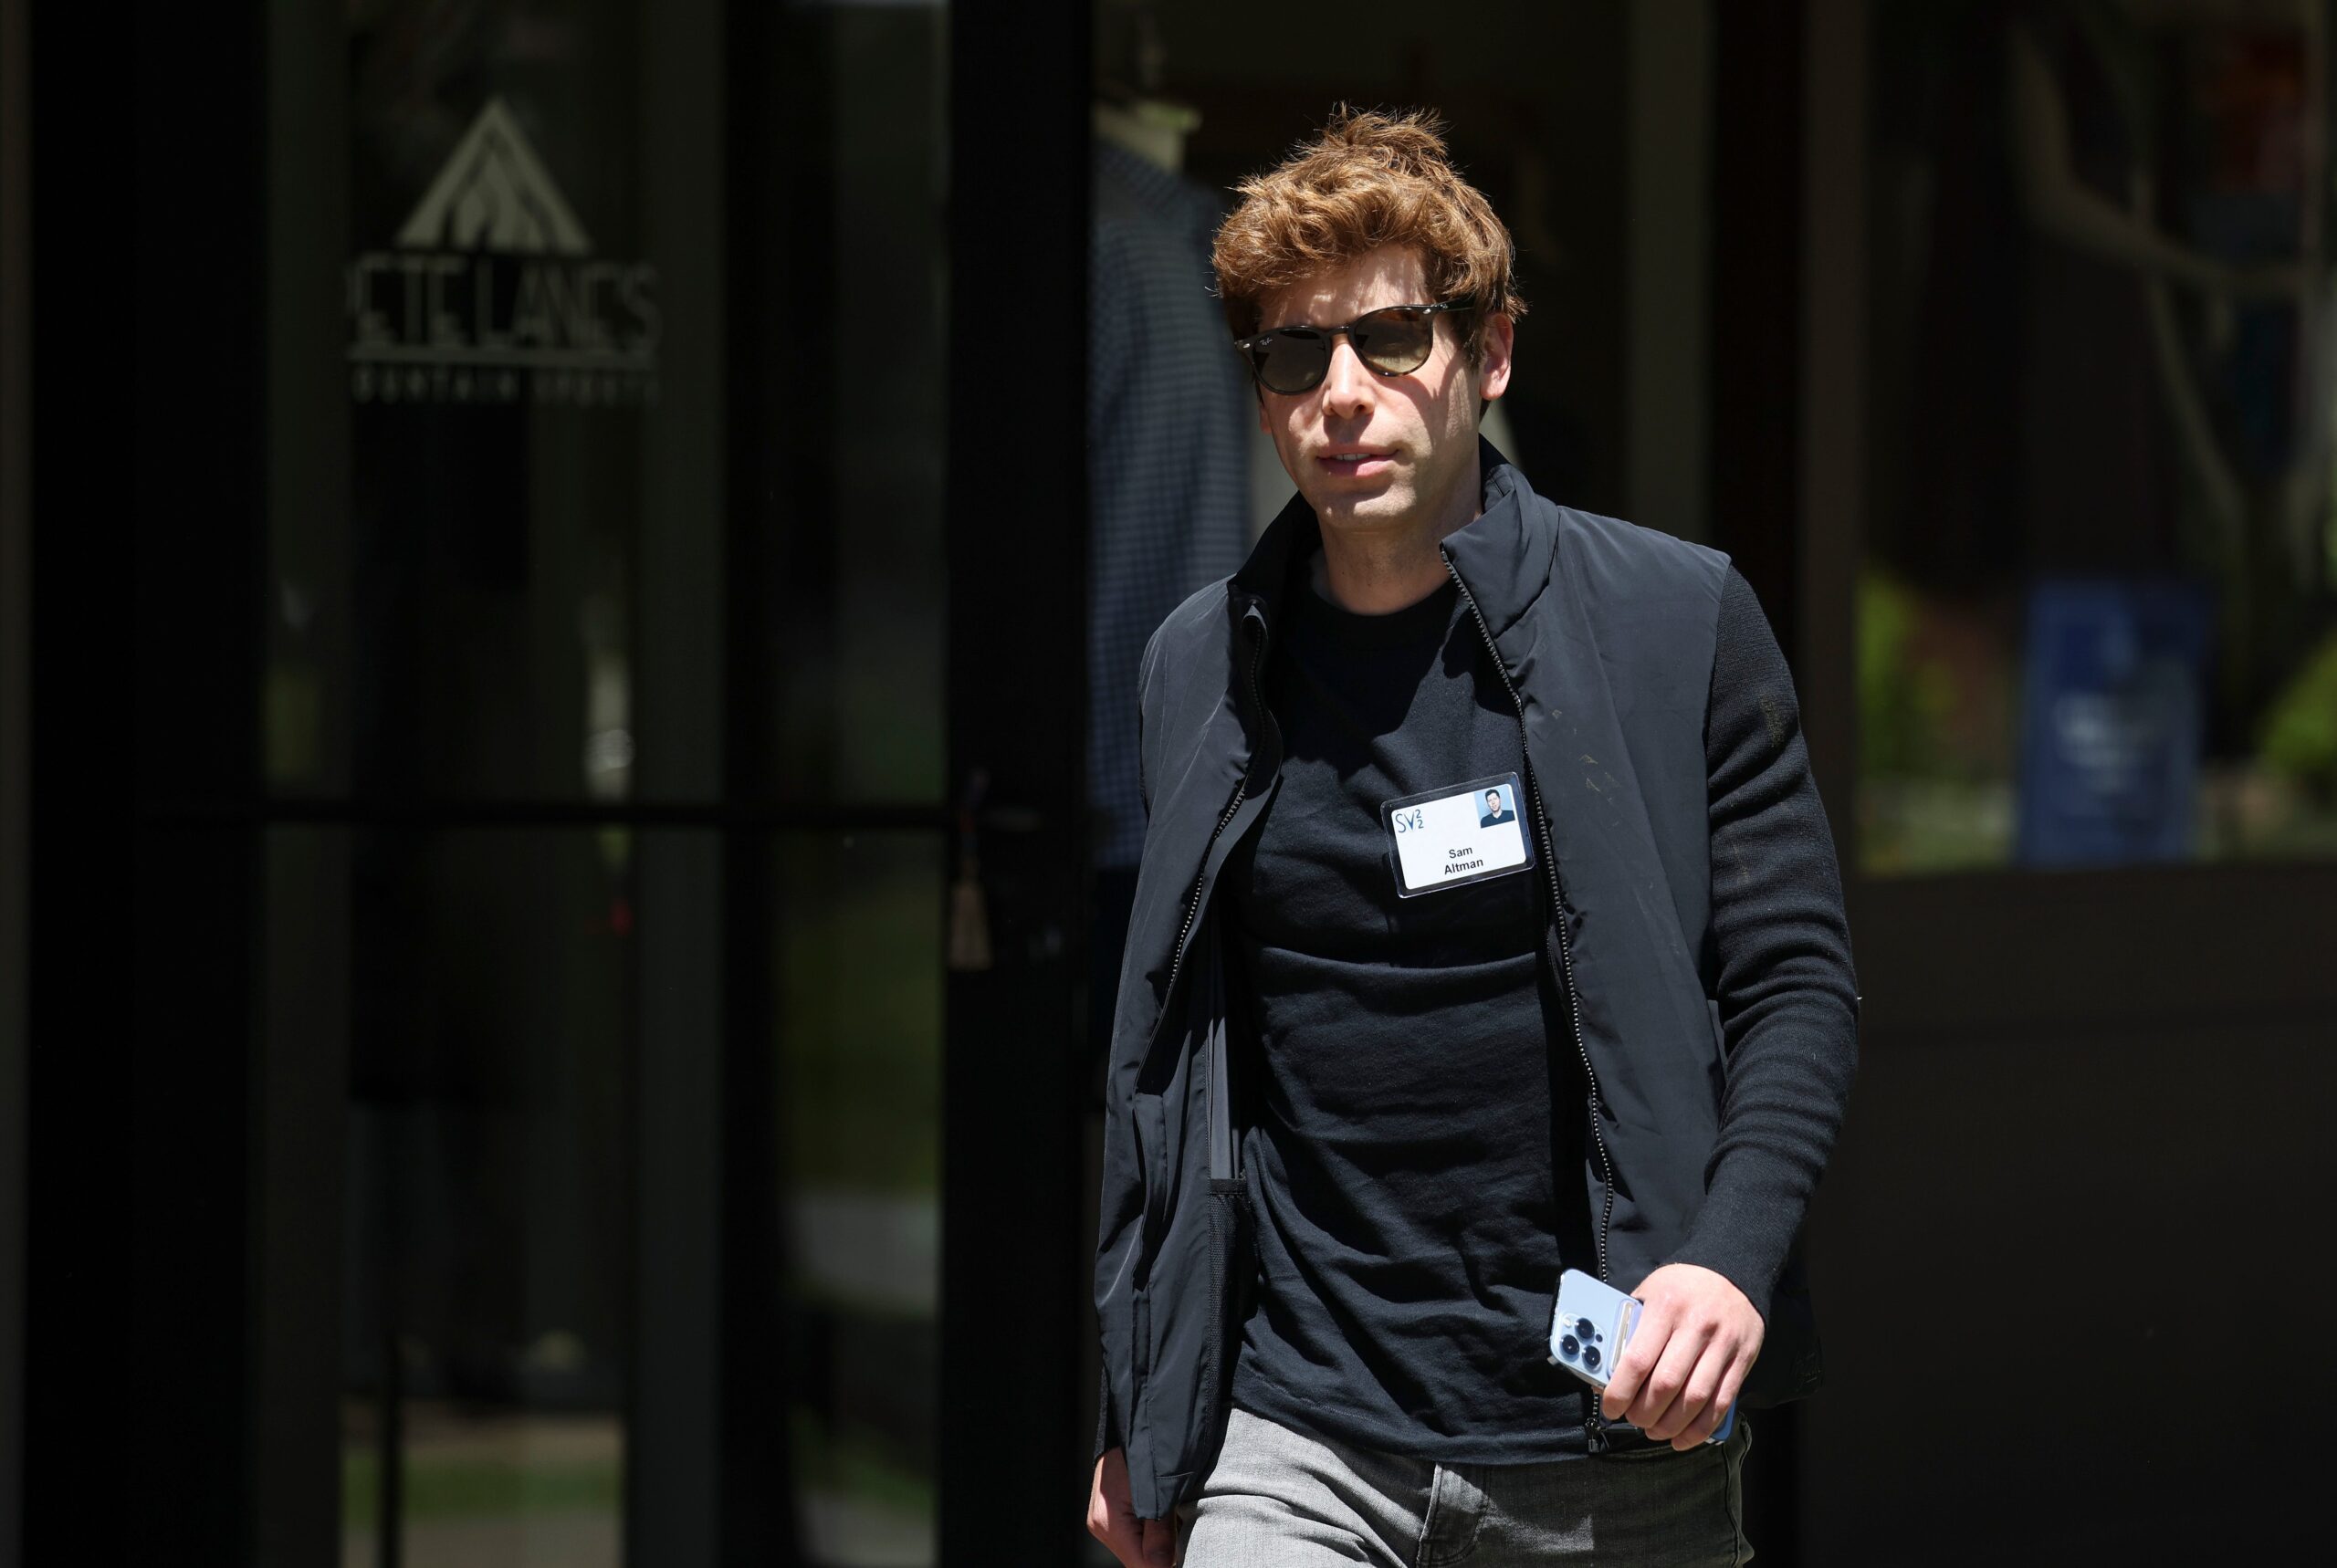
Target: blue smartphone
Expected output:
[1589,1328]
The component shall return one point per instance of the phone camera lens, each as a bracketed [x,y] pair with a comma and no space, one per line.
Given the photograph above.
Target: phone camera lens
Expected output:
[1590,1356]
[1583,1327]
[1569,1347]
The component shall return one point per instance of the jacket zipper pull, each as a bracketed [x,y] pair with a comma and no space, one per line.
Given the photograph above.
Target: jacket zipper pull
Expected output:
[1594,1429]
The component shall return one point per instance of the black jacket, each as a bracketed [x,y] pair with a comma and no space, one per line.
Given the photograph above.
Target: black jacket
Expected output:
[1702,950]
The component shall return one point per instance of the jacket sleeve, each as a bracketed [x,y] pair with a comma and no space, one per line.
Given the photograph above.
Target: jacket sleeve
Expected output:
[1786,991]
[1121,1206]
[1107,1430]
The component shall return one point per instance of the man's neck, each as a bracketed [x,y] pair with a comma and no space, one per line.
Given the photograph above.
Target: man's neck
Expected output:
[1382,570]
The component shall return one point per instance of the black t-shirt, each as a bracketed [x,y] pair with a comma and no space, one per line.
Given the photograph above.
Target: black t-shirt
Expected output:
[1417,1169]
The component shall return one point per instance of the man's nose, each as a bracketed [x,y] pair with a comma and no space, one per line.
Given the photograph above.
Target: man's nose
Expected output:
[1346,385]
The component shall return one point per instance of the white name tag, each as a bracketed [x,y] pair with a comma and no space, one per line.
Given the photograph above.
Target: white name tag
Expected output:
[1462,833]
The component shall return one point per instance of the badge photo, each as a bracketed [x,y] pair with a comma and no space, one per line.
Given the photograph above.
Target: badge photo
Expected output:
[1460,833]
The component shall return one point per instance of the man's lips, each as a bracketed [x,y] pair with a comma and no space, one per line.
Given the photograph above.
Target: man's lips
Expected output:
[1354,460]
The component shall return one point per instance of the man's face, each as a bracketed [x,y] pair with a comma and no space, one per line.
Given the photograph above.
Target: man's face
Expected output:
[1373,452]
[1493,801]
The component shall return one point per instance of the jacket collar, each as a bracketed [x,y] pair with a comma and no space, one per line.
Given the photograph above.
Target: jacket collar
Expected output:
[1502,558]
[1506,557]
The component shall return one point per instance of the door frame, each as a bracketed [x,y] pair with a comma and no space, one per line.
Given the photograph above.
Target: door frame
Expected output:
[1013,1462]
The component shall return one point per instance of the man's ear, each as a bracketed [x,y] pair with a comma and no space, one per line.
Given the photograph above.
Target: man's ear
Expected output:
[1499,343]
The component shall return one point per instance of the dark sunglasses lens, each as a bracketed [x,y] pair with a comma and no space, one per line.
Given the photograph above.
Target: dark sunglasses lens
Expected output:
[1292,362]
[1395,342]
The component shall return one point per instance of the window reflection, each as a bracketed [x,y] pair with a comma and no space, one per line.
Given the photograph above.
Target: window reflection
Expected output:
[2099,616]
[486,1347]
[860,1029]
[486,1488]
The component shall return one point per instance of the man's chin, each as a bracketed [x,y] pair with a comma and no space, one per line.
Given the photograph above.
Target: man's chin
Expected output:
[1351,508]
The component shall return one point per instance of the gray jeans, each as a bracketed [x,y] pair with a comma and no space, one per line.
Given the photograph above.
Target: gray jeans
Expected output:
[1281,1499]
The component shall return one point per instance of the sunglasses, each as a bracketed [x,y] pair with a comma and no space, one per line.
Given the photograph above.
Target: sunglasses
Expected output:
[1393,340]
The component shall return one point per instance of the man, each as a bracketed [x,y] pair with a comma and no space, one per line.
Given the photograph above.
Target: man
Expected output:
[1495,812]
[1366,1100]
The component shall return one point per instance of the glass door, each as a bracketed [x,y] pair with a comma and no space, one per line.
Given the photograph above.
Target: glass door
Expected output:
[605,749]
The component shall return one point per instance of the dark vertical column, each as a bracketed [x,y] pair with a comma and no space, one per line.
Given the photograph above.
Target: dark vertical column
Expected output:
[777,558]
[674,1463]
[1755,486]
[77,1007]
[198,506]
[148,492]
[1011,1456]
[16,759]
[673,1468]
[1756,297]
[1832,395]
[300,1059]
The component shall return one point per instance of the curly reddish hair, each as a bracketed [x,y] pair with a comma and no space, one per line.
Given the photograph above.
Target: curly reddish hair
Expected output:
[1369,178]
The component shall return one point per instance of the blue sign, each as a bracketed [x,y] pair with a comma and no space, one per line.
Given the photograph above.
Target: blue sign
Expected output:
[2113,720]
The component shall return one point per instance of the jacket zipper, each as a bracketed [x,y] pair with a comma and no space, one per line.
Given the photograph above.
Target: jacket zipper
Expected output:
[1592,1423]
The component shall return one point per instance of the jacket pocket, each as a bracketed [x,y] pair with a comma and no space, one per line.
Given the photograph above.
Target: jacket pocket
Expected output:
[1233,1267]
[1140,1318]
[1199,1294]
[1151,1121]
[1138,1439]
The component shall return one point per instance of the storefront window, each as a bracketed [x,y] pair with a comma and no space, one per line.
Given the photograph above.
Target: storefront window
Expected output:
[2098,613]
[859,986]
[846,516]
[487,1355]
[602,723]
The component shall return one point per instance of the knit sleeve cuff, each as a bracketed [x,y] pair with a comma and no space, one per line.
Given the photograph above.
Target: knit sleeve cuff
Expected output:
[1744,1238]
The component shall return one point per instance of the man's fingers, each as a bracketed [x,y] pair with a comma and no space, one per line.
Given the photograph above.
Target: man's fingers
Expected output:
[1123,1537]
[1697,1411]
[1652,1409]
[1693,1409]
[1111,1517]
[1698,1336]
[1639,1358]
[1731,1383]
[1129,1539]
[1126,1544]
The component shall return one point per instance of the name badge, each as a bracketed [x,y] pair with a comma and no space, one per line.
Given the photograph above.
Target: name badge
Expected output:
[1462,833]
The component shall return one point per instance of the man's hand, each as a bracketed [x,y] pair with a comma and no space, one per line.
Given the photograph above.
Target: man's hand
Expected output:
[1697,1338]
[1111,1517]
